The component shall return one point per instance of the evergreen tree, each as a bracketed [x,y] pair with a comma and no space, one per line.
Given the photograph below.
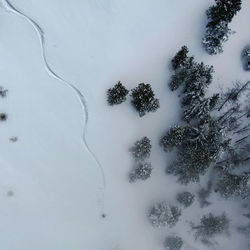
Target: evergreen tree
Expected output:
[224,10]
[172,138]
[200,147]
[232,185]
[173,243]
[142,171]
[117,94]
[143,99]
[180,58]
[141,149]
[185,198]
[210,225]
[217,31]
[215,37]
[162,214]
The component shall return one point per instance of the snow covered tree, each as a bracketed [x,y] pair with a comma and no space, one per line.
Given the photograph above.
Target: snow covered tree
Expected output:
[210,225]
[143,99]
[190,74]
[197,110]
[232,185]
[117,94]
[185,198]
[172,138]
[180,58]
[215,37]
[141,149]
[200,147]
[142,171]
[173,243]
[224,10]
[217,31]
[162,214]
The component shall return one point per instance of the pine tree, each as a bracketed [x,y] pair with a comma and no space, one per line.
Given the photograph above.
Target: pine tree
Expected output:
[210,225]
[180,58]
[162,214]
[173,243]
[172,138]
[232,185]
[200,147]
[117,94]
[141,149]
[217,31]
[143,99]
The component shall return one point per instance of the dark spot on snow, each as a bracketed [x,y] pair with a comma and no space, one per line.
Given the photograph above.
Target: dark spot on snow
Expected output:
[10,193]
[3,116]
[104,216]
[13,138]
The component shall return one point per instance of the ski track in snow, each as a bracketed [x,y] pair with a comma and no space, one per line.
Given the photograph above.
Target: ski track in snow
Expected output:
[9,7]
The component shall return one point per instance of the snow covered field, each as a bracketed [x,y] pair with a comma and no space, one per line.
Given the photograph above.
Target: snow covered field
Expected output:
[58,193]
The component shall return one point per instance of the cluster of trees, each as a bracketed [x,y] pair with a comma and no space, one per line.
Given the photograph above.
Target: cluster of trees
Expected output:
[141,152]
[143,97]
[217,30]
[214,130]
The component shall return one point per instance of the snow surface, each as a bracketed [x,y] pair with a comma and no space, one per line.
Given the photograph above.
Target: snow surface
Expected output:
[57,190]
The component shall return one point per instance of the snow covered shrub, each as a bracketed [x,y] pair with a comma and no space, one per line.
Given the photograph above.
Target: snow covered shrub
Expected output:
[217,31]
[143,99]
[172,138]
[3,92]
[185,198]
[142,171]
[3,117]
[117,94]
[211,225]
[141,149]
[162,214]
[232,185]
[173,243]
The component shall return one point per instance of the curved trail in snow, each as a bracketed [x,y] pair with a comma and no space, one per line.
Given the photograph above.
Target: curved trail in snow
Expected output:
[9,7]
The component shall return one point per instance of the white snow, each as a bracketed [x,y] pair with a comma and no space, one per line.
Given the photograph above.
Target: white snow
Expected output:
[58,192]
